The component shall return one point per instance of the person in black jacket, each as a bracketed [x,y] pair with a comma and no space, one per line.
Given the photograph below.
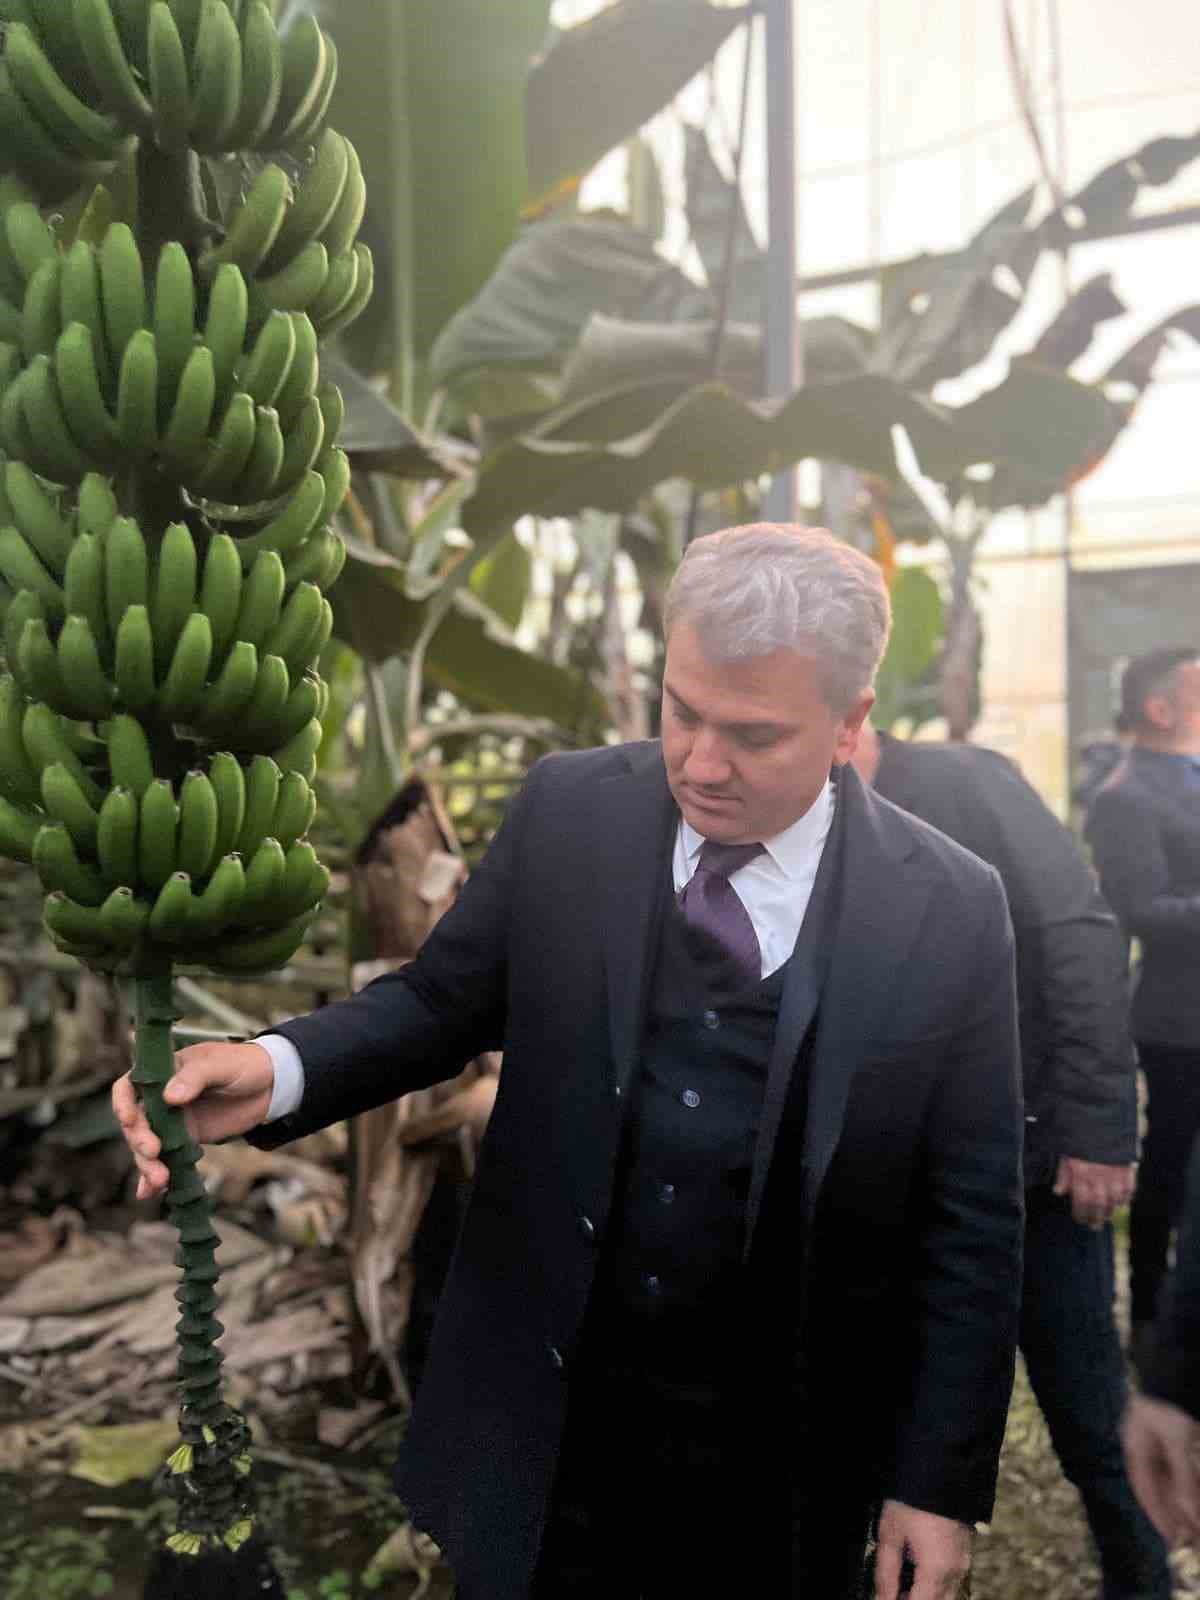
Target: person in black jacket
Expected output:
[742,1257]
[1081,1111]
[1162,1424]
[1144,830]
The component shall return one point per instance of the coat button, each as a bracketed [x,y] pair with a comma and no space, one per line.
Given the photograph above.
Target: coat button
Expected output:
[711,1020]
[652,1283]
[588,1229]
[690,1098]
[666,1193]
[556,1357]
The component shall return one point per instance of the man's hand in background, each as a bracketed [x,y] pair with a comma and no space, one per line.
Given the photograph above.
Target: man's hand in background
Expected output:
[1095,1189]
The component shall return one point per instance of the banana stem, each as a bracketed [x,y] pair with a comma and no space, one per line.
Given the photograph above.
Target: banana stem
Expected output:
[170,200]
[210,1474]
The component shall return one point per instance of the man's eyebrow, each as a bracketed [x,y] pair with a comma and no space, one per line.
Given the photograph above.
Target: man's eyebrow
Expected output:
[728,727]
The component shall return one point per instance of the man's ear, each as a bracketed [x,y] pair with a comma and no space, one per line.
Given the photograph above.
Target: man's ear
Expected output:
[850,726]
[1159,711]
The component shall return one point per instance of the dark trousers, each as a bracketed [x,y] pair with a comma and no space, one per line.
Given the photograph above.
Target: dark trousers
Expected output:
[667,1489]
[1073,1355]
[1172,1122]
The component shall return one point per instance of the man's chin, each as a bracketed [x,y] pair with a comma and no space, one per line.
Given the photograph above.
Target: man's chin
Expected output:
[721,821]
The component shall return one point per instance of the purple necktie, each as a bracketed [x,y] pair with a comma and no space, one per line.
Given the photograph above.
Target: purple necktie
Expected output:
[711,905]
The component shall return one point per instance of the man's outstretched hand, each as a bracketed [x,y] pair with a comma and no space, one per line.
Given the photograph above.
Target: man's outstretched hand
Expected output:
[225,1090]
[938,1548]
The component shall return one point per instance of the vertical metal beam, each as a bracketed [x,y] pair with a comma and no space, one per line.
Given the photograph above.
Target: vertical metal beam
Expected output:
[784,372]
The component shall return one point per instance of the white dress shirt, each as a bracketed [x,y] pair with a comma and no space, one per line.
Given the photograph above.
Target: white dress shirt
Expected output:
[774,888]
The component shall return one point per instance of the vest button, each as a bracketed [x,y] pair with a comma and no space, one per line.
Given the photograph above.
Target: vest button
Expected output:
[690,1098]
[666,1193]
[652,1283]
[711,1020]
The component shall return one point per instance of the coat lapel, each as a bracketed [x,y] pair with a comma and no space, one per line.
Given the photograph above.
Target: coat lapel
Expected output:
[636,817]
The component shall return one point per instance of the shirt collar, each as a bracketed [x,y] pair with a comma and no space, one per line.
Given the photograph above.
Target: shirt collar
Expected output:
[792,850]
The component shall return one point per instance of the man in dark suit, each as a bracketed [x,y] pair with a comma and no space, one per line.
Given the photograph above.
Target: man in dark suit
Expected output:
[1144,829]
[741,1266]
[1081,1116]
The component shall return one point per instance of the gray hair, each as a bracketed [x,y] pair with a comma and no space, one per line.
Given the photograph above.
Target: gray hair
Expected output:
[776,586]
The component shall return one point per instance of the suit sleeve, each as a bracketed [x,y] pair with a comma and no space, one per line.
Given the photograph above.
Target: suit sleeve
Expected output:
[965,1270]
[1173,1372]
[420,1025]
[1126,839]
[1071,950]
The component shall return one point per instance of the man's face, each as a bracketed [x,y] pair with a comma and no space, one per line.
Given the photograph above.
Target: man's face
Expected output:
[1176,711]
[748,744]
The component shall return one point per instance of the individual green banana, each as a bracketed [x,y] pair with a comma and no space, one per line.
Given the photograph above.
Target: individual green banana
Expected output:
[255,224]
[62,459]
[305,52]
[266,368]
[302,446]
[338,290]
[297,626]
[52,23]
[89,692]
[184,442]
[133,667]
[75,926]
[303,704]
[230,451]
[318,196]
[57,864]
[122,285]
[14,430]
[78,375]
[29,238]
[221,592]
[359,300]
[97,216]
[174,592]
[342,229]
[38,666]
[260,952]
[174,311]
[10,322]
[335,469]
[261,475]
[199,821]
[41,311]
[117,837]
[184,683]
[262,77]
[262,598]
[291,820]
[18,780]
[133,18]
[299,754]
[217,78]
[217,907]
[303,374]
[29,148]
[79,301]
[309,127]
[21,569]
[167,74]
[264,885]
[137,396]
[158,825]
[45,742]
[79,129]
[187,14]
[292,526]
[14,191]
[229,695]
[64,801]
[24,605]
[111,72]
[18,831]
[262,796]
[123,918]
[36,515]
[83,586]
[126,569]
[229,785]
[305,882]
[296,286]
[96,506]
[264,712]
[171,914]
[225,327]
[130,763]
[333,410]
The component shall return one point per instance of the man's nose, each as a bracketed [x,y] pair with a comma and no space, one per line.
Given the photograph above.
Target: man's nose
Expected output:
[706,761]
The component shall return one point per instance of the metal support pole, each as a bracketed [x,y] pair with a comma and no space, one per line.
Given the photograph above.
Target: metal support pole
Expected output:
[783,357]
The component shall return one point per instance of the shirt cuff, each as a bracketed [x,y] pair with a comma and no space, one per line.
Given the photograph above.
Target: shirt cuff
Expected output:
[289,1075]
